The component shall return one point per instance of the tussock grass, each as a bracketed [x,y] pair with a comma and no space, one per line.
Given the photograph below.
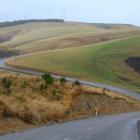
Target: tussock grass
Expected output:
[34,37]
[29,105]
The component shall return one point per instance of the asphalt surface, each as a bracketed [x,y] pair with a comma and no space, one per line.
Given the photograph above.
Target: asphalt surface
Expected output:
[113,127]
[84,82]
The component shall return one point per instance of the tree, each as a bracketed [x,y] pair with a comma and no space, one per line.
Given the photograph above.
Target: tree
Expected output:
[24,84]
[63,80]
[7,83]
[77,87]
[77,83]
[48,78]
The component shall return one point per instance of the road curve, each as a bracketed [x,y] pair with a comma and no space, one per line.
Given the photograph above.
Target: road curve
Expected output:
[112,127]
[83,82]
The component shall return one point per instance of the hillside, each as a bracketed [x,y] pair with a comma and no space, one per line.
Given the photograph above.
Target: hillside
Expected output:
[40,36]
[28,102]
[104,62]
[107,53]
[19,22]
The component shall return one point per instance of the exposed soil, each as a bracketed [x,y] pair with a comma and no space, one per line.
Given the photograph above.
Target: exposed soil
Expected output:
[134,62]
[103,103]
[8,36]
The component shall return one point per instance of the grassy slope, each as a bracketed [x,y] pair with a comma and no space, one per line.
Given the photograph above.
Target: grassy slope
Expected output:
[102,62]
[39,35]
[37,31]
[27,105]
[35,37]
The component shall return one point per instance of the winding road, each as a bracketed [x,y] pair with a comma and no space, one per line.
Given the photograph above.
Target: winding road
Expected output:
[111,127]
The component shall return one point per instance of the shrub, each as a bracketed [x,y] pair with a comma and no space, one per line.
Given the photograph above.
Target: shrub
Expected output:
[28,118]
[20,98]
[66,111]
[54,92]
[55,97]
[48,78]
[24,84]
[63,80]
[7,83]
[7,113]
[57,91]
[43,86]
[77,83]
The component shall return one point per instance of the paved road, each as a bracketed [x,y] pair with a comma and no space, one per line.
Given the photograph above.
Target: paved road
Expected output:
[84,82]
[113,127]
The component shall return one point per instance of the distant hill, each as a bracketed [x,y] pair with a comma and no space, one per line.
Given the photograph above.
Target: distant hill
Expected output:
[40,35]
[75,50]
[13,23]
[110,26]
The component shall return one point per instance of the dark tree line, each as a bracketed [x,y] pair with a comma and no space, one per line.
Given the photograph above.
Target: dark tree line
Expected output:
[4,52]
[12,23]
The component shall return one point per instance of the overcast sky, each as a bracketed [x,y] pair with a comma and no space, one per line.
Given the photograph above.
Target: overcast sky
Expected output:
[105,11]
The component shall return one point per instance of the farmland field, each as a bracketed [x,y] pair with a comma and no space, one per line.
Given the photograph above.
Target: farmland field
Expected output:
[104,62]
[35,37]
[96,52]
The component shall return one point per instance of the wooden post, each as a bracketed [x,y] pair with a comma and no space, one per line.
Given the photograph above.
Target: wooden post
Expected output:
[96,112]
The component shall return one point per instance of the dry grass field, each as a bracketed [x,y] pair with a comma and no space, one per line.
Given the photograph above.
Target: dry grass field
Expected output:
[96,52]
[26,104]
[104,62]
[34,37]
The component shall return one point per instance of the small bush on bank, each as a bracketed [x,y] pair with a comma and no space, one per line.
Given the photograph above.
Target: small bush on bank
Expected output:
[24,84]
[48,78]
[7,83]
[43,86]
[28,118]
[7,113]
[76,83]
[63,80]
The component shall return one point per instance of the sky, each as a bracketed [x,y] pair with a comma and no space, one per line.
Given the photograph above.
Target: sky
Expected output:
[95,11]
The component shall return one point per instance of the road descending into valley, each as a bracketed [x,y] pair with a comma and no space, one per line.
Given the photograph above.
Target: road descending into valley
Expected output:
[110,127]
